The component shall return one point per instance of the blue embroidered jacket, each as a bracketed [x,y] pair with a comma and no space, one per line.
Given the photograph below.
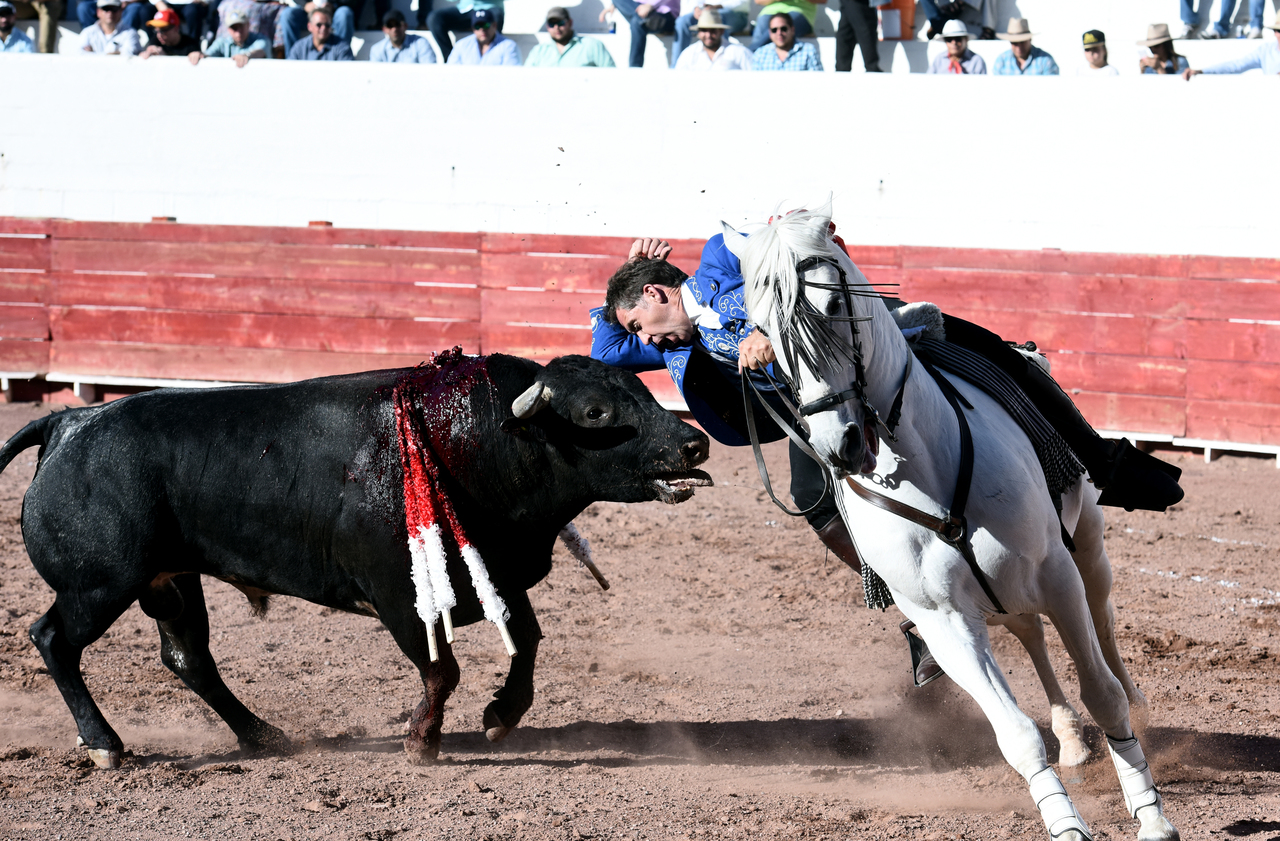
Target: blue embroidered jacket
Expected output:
[717,285]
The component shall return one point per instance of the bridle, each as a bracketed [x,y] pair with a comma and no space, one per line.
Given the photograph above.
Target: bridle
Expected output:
[952,528]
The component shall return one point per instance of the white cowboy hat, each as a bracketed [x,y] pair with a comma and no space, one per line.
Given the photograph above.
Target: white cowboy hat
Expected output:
[953,28]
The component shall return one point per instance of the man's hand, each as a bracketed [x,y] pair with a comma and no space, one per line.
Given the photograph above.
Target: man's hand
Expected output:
[755,351]
[605,12]
[649,248]
[195,57]
[1188,73]
[241,60]
[152,50]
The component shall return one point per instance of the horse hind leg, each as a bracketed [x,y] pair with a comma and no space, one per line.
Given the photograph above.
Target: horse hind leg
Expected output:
[178,606]
[963,648]
[61,635]
[1066,723]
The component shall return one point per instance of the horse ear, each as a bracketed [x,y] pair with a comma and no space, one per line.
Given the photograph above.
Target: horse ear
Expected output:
[825,209]
[732,240]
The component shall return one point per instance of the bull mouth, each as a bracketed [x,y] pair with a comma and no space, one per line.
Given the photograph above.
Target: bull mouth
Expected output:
[674,488]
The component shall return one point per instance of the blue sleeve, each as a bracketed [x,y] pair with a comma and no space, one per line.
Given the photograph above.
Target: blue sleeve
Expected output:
[512,58]
[379,52]
[1239,65]
[614,346]
[426,55]
[342,52]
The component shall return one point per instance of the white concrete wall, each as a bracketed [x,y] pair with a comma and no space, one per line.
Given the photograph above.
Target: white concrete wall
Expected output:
[1125,165]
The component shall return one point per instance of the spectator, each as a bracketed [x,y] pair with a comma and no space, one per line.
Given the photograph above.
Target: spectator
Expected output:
[803,14]
[240,45]
[714,52]
[1022,59]
[786,53]
[1163,60]
[107,37]
[1226,11]
[294,21]
[485,44]
[47,10]
[658,17]
[459,18]
[399,45]
[958,58]
[12,40]
[1095,56]
[323,45]
[975,14]
[858,23]
[1266,58]
[567,49]
[165,36]
[264,21]
[135,13]
[734,19]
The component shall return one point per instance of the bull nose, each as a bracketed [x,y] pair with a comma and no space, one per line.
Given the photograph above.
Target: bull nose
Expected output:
[696,450]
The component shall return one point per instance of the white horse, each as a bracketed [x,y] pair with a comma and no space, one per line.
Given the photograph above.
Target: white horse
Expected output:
[823,316]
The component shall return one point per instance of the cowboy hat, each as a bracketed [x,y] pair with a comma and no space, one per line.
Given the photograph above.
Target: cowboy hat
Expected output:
[711,20]
[1276,25]
[1019,30]
[953,28]
[1157,33]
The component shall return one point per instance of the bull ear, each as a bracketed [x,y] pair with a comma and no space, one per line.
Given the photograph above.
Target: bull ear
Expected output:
[732,240]
[535,399]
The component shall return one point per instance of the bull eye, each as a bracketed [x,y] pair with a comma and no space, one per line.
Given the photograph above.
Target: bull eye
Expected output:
[595,413]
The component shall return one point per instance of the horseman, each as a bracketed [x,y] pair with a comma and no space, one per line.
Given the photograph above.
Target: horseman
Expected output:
[698,328]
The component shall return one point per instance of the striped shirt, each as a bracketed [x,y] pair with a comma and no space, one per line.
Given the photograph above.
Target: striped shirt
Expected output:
[803,56]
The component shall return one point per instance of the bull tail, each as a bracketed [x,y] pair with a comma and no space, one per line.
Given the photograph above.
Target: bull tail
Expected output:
[36,432]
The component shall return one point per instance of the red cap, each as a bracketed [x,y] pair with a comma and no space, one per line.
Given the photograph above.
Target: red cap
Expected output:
[164,19]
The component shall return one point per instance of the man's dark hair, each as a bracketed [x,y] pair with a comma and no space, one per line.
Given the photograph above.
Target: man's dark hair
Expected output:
[628,283]
[784,15]
[395,17]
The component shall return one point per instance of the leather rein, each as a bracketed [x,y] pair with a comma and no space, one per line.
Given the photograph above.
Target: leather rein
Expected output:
[952,528]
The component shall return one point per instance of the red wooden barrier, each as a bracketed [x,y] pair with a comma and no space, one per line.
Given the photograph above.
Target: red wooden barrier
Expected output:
[1183,346]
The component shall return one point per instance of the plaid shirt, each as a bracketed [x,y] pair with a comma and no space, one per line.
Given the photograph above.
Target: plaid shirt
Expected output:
[1039,64]
[262,19]
[803,56]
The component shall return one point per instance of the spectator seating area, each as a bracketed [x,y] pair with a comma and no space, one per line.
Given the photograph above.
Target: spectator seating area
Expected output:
[1058,26]
[1175,349]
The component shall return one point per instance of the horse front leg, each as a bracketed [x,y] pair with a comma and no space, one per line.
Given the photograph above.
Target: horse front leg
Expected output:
[513,700]
[1066,723]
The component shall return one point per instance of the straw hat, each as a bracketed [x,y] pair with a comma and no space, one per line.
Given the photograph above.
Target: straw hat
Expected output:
[1157,33]
[1019,30]
[1276,25]
[711,20]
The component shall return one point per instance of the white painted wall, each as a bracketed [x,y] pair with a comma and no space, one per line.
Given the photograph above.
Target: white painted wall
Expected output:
[1125,165]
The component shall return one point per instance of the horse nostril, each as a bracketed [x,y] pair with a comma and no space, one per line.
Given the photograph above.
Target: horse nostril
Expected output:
[851,445]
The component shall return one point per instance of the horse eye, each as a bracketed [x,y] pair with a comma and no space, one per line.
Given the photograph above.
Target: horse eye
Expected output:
[833,306]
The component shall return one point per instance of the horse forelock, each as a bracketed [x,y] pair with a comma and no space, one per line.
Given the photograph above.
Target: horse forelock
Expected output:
[769,260]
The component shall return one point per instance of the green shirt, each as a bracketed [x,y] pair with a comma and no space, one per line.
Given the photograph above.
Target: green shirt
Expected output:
[580,52]
[786,7]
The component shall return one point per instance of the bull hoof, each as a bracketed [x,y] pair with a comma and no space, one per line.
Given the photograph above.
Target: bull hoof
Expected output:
[265,738]
[107,760]
[420,754]
[494,730]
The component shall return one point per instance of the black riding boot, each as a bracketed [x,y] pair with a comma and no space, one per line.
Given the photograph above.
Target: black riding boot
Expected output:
[1127,477]
[836,538]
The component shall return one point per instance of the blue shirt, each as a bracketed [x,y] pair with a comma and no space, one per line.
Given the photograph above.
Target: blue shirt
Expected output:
[579,52]
[414,50]
[1266,58]
[17,42]
[1039,64]
[224,47]
[503,51]
[803,56]
[1169,68]
[335,49]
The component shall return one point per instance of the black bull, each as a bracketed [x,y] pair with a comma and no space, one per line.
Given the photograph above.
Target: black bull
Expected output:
[298,490]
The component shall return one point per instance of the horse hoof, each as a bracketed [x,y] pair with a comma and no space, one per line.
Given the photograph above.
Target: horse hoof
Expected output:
[1071,756]
[107,760]
[494,730]
[1073,835]
[1155,826]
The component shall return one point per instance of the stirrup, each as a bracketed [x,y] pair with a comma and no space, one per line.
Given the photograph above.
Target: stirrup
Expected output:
[924,669]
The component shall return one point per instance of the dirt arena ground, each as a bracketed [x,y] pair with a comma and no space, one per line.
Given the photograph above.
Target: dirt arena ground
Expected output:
[730,685]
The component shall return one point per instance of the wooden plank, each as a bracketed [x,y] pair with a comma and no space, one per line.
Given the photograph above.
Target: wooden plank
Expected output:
[567,273]
[1233,268]
[682,250]
[282,296]
[22,253]
[251,330]
[1046,260]
[24,287]
[1120,374]
[66,229]
[1155,337]
[25,225]
[888,256]
[1247,423]
[569,310]
[225,364]
[1133,412]
[24,321]
[535,343]
[1247,382]
[1242,342]
[305,262]
[17,355]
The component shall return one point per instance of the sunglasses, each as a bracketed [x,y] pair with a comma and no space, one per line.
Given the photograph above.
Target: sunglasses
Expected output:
[779,29]
[956,38]
[483,26]
[556,22]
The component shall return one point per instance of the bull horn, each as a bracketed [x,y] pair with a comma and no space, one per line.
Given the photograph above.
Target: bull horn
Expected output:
[732,240]
[534,400]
